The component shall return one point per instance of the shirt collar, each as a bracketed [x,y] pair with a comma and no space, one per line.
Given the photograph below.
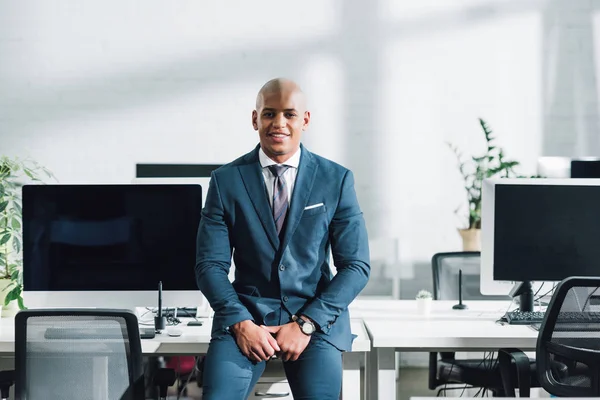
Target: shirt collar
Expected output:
[265,161]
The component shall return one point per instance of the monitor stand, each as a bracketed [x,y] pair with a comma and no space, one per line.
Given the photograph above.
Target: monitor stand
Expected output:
[525,292]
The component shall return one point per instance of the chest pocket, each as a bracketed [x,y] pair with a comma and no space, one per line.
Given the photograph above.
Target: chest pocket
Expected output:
[314,211]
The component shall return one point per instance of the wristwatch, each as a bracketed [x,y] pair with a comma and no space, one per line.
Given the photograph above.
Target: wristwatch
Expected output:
[306,326]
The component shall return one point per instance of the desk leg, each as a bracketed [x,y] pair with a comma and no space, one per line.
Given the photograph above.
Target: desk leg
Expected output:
[100,377]
[381,374]
[351,385]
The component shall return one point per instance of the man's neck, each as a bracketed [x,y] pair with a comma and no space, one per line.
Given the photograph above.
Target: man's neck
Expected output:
[282,158]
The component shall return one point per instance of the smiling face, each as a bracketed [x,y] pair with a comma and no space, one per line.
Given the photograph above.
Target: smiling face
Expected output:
[280,117]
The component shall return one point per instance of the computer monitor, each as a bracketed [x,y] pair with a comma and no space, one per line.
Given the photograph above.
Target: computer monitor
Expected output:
[110,245]
[538,230]
[566,167]
[585,168]
[202,181]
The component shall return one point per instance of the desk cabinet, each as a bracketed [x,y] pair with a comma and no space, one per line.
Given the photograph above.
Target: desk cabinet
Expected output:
[272,384]
[274,390]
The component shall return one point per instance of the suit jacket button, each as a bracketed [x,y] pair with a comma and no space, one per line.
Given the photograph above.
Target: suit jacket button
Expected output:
[282,267]
[285,298]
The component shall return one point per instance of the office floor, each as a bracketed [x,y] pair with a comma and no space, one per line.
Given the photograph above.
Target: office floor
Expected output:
[412,382]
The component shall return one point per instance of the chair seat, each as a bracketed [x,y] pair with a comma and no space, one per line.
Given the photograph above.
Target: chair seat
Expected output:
[476,372]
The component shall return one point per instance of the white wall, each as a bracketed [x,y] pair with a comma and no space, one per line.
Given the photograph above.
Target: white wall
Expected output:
[90,88]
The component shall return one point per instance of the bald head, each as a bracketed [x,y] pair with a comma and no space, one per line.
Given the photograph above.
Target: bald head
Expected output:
[280,117]
[280,86]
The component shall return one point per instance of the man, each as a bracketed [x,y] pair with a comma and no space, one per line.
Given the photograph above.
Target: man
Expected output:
[280,209]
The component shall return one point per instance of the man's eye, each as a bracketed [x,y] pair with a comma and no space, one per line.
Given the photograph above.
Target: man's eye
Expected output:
[268,115]
[291,115]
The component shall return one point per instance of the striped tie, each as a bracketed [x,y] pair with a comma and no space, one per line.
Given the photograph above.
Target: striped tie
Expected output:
[280,195]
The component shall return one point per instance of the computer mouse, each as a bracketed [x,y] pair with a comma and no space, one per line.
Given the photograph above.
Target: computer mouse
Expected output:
[174,332]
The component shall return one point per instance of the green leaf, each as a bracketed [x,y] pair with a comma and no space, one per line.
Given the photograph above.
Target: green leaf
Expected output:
[21,303]
[28,173]
[15,275]
[18,208]
[12,295]
[16,244]
[3,205]
[15,223]
[5,239]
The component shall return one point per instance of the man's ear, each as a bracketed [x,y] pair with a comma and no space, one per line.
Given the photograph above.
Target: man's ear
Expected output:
[306,120]
[255,120]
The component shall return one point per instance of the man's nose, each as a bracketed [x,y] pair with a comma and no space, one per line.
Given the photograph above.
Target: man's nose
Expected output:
[279,121]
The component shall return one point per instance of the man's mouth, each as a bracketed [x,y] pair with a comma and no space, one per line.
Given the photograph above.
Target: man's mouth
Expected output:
[278,135]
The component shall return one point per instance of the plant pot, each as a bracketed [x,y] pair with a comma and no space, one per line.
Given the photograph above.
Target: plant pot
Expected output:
[424,306]
[471,239]
[12,308]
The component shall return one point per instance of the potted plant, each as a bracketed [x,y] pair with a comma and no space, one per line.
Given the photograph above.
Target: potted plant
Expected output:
[474,170]
[13,173]
[424,299]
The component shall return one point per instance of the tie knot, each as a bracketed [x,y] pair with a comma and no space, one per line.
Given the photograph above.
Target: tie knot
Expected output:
[278,170]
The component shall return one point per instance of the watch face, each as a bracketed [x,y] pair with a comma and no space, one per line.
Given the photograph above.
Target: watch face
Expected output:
[308,328]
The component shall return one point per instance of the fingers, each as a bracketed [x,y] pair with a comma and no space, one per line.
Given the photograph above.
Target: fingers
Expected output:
[271,329]
[294,356]
[252,356]
[273,343]
[290,356]
[262,355]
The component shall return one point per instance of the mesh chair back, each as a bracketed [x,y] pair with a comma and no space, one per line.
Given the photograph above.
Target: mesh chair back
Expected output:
[78,354]
[570,335]
[445,269]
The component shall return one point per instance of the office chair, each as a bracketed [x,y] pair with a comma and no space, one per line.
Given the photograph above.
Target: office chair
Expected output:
[80,353]
[483,373]
[568,344]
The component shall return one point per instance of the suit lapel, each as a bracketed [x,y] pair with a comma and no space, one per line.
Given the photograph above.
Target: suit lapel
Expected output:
[255,186]
[307,172]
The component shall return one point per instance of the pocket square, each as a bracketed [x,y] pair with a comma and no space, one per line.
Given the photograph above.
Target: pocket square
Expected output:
[313,206]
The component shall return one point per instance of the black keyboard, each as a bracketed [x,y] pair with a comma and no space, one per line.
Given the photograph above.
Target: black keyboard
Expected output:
[517,317]
[580,318]
[92,333]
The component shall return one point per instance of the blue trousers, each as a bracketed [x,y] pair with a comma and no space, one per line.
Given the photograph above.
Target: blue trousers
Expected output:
[228,374]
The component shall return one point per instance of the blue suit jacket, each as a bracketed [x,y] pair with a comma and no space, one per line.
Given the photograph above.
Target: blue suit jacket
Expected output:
[275,279]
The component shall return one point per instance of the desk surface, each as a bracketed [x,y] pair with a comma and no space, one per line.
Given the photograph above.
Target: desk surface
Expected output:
[194,339]
[457,335]
[440,309]
[398,324]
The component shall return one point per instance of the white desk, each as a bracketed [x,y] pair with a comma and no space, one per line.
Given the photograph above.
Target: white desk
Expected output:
[195,340]
[440,310]
[396,325]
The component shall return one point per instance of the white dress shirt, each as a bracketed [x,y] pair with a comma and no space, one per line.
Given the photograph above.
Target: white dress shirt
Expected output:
[289,175]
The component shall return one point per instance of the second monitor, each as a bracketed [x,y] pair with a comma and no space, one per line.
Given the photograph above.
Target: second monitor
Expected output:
[538,230]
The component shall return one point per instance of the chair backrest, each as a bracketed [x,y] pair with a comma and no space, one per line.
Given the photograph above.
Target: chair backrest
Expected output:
[445,270]
[78,354]
[570,336]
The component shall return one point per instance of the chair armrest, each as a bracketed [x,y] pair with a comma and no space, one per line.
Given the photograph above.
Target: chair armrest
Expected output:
[506,358]
[433,382]
[7,379]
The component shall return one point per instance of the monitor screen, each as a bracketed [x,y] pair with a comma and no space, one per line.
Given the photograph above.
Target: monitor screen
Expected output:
[585,168]
[546,232]
[110,237]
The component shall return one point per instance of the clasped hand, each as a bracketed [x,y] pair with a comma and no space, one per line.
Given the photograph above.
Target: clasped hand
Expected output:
[260,343]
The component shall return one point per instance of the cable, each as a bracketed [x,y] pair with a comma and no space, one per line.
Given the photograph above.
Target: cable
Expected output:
[588,298]
[545,294]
